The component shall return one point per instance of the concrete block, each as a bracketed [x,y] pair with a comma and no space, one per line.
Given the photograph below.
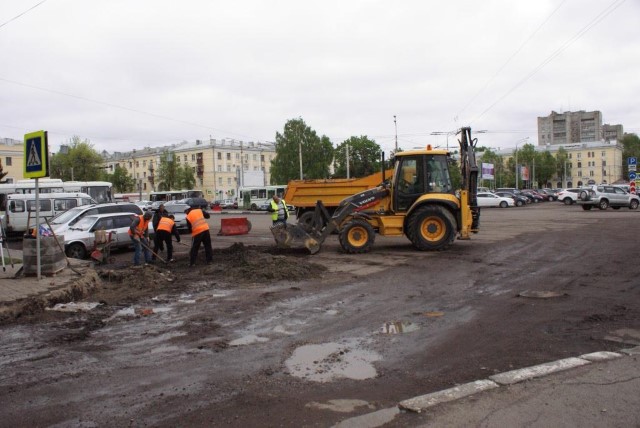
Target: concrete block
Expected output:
[600,356]
[515,376]
[423,402]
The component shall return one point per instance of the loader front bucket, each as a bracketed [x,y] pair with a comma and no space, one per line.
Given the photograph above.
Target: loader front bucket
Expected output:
[293,236]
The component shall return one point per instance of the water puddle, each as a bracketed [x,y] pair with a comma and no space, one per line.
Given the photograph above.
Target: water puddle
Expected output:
[398,327]
[137,312]
[74,307]
[341,405]
[248,340]
[542,294]
[331,361]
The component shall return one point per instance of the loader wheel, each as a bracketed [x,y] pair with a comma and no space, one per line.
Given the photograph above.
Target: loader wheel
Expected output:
[431,228]
[357,236]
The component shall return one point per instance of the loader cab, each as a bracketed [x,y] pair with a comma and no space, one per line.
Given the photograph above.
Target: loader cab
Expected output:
[418,173]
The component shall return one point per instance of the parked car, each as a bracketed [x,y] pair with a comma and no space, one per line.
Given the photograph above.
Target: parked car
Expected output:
[63,221]
[534,196]
[487,199]
[79,239]
[519,200]
[145,205]
[194,203]
[568,196]
[178,211]
[604,197]
[229,203]
[551,193]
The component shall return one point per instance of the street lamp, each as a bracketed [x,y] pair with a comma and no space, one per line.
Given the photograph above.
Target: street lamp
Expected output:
[396,125]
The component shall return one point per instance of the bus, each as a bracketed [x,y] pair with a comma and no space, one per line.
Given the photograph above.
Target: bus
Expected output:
[100,191]
[174,195]
[253,197]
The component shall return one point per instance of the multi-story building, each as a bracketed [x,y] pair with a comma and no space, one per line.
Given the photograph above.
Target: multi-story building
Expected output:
[220,166]
[11,159]
[592,162]
[575,127]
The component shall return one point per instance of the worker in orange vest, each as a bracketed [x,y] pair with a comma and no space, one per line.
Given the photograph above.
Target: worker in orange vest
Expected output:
[197,224]
[166,228]
[139,234]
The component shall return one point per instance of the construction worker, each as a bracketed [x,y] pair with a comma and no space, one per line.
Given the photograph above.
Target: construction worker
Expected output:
[166,228]
[139,234]
[199,234]
[157,242]
[278,210]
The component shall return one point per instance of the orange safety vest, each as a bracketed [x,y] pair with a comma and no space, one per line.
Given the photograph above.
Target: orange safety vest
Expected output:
[166,224]
[141,228]
[198,222]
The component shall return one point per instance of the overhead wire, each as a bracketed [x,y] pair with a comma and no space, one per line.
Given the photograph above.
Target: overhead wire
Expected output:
[23,13]
[603,14]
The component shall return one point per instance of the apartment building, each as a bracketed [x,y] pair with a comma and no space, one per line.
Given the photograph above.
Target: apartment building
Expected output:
[575,127]
[220,166]
[11,158]
[591,162]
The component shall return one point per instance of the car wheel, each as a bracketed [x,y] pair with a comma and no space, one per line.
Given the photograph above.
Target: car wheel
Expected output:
[584,195]
[604,204]
[567,201]
[254,207]
[587,207]
[519,203]
[76,251]
[504,204]
[633,205]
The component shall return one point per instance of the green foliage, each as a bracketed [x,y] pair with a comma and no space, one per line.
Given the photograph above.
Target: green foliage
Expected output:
[185,178]
[317,153]
[364,157]
[630,148]
[168,172]
[121,180]
[80,163]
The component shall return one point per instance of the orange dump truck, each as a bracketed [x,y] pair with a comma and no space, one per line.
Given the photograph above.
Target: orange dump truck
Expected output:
[303,194]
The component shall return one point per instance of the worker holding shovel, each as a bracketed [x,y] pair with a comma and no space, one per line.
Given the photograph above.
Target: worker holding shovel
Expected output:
[139,234]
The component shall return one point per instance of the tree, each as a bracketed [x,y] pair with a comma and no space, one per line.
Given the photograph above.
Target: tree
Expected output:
[122,182]
[184,177]
[168,171]
[563,166]
[364,157]
[630,149]
[545,168]
[317,153]
[79,162]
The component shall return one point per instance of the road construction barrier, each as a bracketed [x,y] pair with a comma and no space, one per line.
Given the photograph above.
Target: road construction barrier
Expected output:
[52,260]
[234,226]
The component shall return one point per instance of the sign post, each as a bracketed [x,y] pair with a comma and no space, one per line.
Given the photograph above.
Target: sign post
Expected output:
[36,163]
[632,164]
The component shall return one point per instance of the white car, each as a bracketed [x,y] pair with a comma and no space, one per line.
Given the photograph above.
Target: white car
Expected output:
[79,239]
[568,196]
[178,211]
[488,199]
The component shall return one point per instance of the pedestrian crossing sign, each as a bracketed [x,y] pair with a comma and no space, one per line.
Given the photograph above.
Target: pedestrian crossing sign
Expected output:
[36,155]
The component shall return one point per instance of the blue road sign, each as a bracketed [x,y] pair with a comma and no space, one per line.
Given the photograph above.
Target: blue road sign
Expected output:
[632,161]
[632,175]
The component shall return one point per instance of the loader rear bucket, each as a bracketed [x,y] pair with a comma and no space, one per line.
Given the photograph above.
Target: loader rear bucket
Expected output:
[234,226]
[293,236]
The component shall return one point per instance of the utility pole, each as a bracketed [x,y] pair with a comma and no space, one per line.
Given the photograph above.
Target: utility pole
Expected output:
[300,151]
[347,154]
[396,126]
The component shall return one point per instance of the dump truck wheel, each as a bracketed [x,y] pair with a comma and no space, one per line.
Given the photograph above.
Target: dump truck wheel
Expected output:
[431,228]
[357,236]
[306,221]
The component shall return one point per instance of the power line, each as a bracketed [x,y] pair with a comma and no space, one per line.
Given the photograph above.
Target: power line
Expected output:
[605,12]
[486,85]
[18,16]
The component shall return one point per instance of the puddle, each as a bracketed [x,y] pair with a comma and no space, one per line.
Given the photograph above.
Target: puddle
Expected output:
[541,294]
[133,312]
[74,307]
[283,330]
[332,361]
[248,340]
[398,327]
[342,406]
[331,312]
[433,314]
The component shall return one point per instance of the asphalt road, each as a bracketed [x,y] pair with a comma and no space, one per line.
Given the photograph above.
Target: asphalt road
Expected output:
[370,331]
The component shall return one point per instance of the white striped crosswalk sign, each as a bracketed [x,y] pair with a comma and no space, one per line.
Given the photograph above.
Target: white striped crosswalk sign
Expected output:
[36,155]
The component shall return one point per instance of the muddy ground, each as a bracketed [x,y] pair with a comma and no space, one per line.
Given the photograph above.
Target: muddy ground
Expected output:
[264,337]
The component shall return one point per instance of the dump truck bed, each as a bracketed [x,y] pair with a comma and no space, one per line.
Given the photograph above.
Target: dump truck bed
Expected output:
[304,194]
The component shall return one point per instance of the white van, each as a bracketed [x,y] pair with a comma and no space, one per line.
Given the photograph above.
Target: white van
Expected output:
[21,208]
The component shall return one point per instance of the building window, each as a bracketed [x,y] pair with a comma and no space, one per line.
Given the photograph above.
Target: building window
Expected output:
[237,156]
[219,181]
[228,168]
[261,158]
[229,181]
[130,165]
[591,174]
[604,172]
[144,186]
[604,154]
[144,163]
[579,164]
[604,163]
[219,168]
[137,164]
[579,155]
[7,161]
[228,156]
[144,174]
[185,158]
[219,155]
[193,158]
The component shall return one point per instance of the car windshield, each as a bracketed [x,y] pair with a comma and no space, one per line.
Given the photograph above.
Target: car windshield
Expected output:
[84,223]
[176,208]
[67,215]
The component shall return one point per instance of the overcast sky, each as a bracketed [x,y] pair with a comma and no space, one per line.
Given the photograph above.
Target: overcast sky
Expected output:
[130,74]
